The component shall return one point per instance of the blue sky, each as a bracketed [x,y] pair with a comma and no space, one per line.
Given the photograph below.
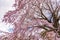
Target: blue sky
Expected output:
[5,5]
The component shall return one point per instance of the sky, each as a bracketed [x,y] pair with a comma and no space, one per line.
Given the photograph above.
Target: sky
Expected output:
[5,6]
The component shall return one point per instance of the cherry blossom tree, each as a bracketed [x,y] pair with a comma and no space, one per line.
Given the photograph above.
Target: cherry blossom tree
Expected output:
[31,16]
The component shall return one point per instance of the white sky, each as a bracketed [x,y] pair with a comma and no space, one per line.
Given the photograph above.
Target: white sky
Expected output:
[5,5]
